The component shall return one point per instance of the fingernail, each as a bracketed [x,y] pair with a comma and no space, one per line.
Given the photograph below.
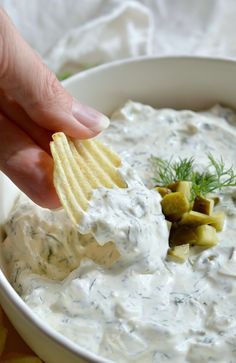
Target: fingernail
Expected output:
[89,117]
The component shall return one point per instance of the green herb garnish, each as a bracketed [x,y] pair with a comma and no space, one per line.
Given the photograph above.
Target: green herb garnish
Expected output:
[167,172]
[81,67]
[64,75]
[216,177]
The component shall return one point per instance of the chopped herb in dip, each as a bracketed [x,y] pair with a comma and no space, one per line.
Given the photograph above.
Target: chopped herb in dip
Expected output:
[127,311]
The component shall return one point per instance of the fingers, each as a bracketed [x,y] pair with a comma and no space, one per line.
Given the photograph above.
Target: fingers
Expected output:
[34,100]
[27,80]
[27,165]
[15,113]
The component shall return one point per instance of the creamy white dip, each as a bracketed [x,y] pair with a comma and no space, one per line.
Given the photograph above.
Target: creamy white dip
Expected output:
[125,302]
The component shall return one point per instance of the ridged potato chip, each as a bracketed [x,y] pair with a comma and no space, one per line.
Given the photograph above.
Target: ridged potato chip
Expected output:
[80,166]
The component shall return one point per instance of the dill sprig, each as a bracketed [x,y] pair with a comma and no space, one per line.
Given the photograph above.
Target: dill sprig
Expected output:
[216,176]
[168,172]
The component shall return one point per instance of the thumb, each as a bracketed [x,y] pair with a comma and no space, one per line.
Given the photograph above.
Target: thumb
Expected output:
[24,77]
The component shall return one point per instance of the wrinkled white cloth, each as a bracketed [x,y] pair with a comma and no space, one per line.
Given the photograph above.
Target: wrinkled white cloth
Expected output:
[72,35]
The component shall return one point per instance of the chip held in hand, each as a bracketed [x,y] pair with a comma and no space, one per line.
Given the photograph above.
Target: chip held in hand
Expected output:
[80,166]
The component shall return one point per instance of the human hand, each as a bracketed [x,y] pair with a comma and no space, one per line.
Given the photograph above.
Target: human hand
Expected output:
[33,105]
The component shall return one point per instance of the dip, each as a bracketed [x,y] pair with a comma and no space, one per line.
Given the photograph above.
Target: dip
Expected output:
[122,299]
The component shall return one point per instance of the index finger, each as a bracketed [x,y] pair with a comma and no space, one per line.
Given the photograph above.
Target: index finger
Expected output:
[27,165]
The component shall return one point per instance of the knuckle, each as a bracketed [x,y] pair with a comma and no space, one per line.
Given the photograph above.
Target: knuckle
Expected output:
[49,90]
[52,86]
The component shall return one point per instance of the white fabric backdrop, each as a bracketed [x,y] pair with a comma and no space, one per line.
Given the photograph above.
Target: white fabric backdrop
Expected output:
[74,34]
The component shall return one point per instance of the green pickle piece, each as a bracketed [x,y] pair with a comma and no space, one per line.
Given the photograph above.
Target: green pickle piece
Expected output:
[185,188]
[203,205]
[218,220]
[179,253]
[206,236]
[163,191]
[180,235]
[174,205]
[195,219]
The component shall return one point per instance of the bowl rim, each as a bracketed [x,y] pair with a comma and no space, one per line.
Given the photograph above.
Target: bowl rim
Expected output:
[144,58]
[7,289]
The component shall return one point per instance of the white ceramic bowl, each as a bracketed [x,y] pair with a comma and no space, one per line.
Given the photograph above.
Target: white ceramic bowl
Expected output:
[179,82]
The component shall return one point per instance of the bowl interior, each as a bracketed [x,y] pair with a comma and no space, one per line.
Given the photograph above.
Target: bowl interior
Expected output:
[180,83]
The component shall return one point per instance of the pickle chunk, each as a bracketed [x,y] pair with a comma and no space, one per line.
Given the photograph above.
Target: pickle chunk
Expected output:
[195,219]
[179,253]
[185,188]
[180,235]
[206,236]
[218,220]
[174,205]
[203,205]
[163,191]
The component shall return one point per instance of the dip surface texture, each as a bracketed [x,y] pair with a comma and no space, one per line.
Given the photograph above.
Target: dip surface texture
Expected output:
[125,302]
